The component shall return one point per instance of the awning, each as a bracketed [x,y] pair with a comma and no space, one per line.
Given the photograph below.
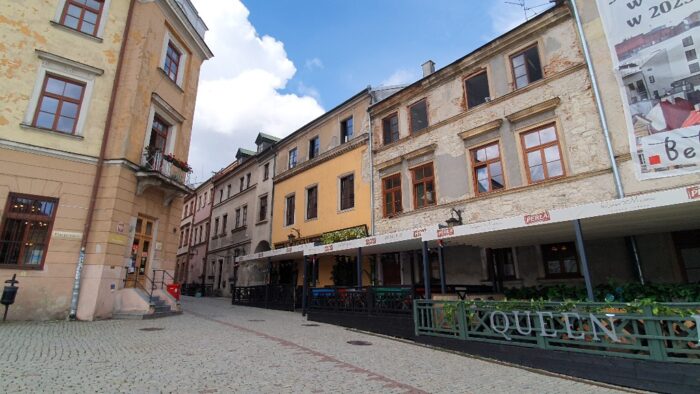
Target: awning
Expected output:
[668,210]
[383,243]
[292,252]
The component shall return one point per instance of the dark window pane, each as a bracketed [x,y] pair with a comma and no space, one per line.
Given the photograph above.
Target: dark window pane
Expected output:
[477,90]
[419,116]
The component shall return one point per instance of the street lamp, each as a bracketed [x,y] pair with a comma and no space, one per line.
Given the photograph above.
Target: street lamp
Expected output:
[452,221]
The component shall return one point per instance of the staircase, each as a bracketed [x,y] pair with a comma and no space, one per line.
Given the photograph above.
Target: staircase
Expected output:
[160,309]
[149,301]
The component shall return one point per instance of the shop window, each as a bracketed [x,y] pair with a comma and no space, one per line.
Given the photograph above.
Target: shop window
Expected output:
[418,116]
[526,67]
[542,154]
[477,89]
[423,186]
[390,126]
[488,169]
[560,260]
[391,189]
[26,231]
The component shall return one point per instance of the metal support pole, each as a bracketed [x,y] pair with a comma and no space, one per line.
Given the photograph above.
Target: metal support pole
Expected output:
[305,286]
[426,272]
[359,268]
[441,259]
[269,281]
[314,267]
[584,260]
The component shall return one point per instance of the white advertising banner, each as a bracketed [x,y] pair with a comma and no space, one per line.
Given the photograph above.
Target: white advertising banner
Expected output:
[655,46]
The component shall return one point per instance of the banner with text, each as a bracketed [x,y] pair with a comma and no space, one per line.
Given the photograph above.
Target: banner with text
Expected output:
[655,46]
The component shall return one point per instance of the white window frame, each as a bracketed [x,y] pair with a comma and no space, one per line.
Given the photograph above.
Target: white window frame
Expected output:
[60,66]
[100,27]
[164,111]
[169,38]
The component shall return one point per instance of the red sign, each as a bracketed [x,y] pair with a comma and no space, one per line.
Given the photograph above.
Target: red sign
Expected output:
[693,192]
[328,248]
[370,241]
[418,233]
[537,218]
[445,232]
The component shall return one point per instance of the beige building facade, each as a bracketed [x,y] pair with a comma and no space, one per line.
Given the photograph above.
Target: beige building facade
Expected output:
[94,148]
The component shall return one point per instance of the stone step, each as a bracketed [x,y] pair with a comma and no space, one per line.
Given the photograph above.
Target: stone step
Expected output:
[158,315]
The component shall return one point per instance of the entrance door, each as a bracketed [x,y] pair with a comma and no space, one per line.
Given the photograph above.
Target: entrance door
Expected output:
[141,250]
[688,249]
[391,269]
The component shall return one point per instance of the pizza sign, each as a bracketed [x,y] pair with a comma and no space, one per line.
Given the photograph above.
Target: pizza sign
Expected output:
[538,218]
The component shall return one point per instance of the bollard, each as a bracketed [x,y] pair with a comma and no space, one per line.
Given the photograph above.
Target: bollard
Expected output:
[8,295]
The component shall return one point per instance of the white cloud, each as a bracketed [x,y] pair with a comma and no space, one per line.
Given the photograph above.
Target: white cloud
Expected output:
[401,77]
[305,90]
[240,89]
[314,63]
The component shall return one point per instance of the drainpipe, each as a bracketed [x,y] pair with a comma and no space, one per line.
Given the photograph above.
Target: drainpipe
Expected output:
[606,132]
[371,176]
[98,171]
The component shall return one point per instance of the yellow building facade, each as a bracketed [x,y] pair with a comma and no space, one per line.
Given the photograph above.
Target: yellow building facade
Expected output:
[98,99]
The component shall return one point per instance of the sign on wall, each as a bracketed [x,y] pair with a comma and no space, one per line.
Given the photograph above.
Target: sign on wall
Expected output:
[655,46]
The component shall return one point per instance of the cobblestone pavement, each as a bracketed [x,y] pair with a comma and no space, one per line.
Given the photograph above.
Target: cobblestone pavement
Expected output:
[216,347]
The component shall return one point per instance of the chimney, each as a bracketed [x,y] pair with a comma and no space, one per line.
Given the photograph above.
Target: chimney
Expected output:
[428,68]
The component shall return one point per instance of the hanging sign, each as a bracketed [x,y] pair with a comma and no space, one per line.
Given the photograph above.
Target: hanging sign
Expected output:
[655,47]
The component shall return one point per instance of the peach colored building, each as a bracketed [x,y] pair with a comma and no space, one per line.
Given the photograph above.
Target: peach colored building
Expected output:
[95,127]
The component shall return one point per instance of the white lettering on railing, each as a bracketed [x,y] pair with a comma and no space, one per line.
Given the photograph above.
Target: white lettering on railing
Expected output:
[506,324]
[609,333]
[544,332]
[567,323]
[517,322]
[697,326]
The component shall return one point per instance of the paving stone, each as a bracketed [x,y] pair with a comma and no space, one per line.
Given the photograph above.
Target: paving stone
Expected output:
[214,348]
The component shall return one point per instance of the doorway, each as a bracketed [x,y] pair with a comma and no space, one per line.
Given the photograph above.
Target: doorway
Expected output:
[688,251]
[140,251]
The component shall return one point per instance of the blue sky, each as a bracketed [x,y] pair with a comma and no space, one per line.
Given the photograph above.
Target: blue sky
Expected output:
[280,64]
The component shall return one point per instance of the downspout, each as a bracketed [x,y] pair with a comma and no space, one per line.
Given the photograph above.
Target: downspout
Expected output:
[371,176]
[606,132]
[98,171]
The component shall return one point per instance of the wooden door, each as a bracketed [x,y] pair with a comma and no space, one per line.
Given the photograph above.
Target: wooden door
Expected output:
[141,250]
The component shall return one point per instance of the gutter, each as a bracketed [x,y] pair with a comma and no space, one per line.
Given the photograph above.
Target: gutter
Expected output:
[98,171]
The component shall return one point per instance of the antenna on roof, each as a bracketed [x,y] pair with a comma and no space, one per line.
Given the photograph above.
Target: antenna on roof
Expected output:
[523,4]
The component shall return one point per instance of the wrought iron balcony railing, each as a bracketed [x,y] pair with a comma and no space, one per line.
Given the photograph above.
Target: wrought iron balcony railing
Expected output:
[156,161]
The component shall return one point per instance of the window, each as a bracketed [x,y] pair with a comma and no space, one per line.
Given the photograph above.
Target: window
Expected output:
[187,237]
[390,126]
[688,41]
[262,213]
[542,154]
[238,217]
[487,167]
[314,147]
[244,213]
[242,185]
[292,158]
[652,79]
[423,186]
[196,235]
[26,230]
[221,195]
[503,264]
[477,87]
[172,61]
[82,15]
[346,130]
[266,171]
[216,227]
[694,67]
[289,214]
[347,192]
[642,90]
[312,203]
[391,189]
[526,67]
[560,260]
[228,191]
[247,180]
[691,55]
[418,116]
[631,87]
[59,104]
[224,223]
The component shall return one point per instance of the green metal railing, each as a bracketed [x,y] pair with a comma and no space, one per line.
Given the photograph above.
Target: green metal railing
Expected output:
[665,332]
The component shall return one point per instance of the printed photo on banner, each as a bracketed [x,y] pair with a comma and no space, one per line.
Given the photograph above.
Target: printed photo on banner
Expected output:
[655,46]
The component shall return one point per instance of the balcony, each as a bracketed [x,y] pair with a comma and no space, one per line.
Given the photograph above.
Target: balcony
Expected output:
[163,172]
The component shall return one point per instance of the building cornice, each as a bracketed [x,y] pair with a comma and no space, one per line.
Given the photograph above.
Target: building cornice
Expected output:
[40,150]
[324,157]
[175,14]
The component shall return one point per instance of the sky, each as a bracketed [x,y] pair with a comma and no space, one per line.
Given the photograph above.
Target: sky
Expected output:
[279,64]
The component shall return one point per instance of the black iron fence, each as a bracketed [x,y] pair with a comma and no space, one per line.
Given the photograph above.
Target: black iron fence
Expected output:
[282,297]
